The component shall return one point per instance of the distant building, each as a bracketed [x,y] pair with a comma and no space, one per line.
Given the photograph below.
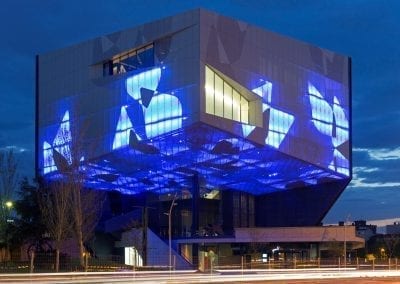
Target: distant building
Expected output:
[393,229]
[363,230]
[242,128]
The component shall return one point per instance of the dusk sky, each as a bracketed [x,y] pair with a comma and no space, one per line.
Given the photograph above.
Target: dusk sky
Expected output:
[367,31]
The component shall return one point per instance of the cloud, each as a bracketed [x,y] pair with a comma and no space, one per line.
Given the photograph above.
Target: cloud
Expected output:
[14,148]
[381,154]
[364,170]
[364,183]
[376,168]
[365,177]
[365,204]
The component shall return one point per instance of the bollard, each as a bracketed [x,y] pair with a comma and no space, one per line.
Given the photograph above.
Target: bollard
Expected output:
[358,264]
[389,263]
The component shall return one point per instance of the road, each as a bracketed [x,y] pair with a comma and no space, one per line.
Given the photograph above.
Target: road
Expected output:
[326,276]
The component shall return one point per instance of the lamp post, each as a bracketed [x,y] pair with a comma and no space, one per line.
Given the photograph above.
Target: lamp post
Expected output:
[170,230]
[345,241]
[9,205]
[344,245]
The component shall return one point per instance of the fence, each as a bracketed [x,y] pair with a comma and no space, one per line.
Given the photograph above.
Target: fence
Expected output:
[46,263]
[105,263]
[247,262]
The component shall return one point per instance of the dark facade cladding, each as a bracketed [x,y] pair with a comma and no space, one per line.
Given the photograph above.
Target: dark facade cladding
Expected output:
[246,127]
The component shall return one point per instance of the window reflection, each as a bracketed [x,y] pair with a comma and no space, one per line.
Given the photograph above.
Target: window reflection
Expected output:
[129,61]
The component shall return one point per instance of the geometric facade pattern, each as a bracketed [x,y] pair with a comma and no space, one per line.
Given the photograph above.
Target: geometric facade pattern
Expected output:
[199,95]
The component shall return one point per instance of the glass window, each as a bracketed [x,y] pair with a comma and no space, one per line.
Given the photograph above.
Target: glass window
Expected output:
[244,110]
[209,91]
[130,60]
[218,93]
[236,106]
[223,100]
[227,101]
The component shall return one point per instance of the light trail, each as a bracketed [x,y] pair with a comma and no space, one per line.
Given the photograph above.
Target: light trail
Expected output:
[161,277]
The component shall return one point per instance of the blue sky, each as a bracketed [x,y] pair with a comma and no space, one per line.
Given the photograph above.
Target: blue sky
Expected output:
[368,31]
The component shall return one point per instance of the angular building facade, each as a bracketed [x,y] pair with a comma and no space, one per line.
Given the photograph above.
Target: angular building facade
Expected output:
[242,126]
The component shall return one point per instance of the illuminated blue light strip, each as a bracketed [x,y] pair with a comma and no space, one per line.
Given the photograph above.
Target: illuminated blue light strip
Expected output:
[323,115]
[162,106]
[124,126]
[323,127]
[340,115]
[48,161]
[247,129]
[163,115]
[60,144]
[63,138]
[63,133]
[264,91]
[342,135]
[147,79]
[158,128]
[279,121]
[320,109]
[274,139]
[262,165]
[339,163]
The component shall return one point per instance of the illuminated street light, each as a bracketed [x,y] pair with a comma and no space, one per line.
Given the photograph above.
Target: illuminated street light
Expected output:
[9,204]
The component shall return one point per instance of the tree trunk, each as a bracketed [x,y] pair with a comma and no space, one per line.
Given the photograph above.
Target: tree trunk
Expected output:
[57,259]
[81,250]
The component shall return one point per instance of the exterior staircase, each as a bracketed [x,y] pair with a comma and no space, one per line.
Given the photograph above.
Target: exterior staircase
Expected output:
[157,249]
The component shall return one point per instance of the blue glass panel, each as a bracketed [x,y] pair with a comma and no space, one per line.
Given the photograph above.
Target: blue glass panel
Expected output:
[264,91]
[247,129]
[60,144]
[163,115]
[124,125]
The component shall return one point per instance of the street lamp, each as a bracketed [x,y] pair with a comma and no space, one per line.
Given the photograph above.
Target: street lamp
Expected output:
[170,229]
[345,241]
[9,204]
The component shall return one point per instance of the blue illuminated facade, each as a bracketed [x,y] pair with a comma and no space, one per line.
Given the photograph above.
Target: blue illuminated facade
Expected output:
[248,127]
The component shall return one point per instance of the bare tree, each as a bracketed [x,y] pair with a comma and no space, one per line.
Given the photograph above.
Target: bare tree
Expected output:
[54,202]
[86,211]
[9,180]
[85,204]
[391,241]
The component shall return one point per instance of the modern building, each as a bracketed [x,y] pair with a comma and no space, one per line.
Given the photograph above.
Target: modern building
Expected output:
[215,123]
[393,229]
